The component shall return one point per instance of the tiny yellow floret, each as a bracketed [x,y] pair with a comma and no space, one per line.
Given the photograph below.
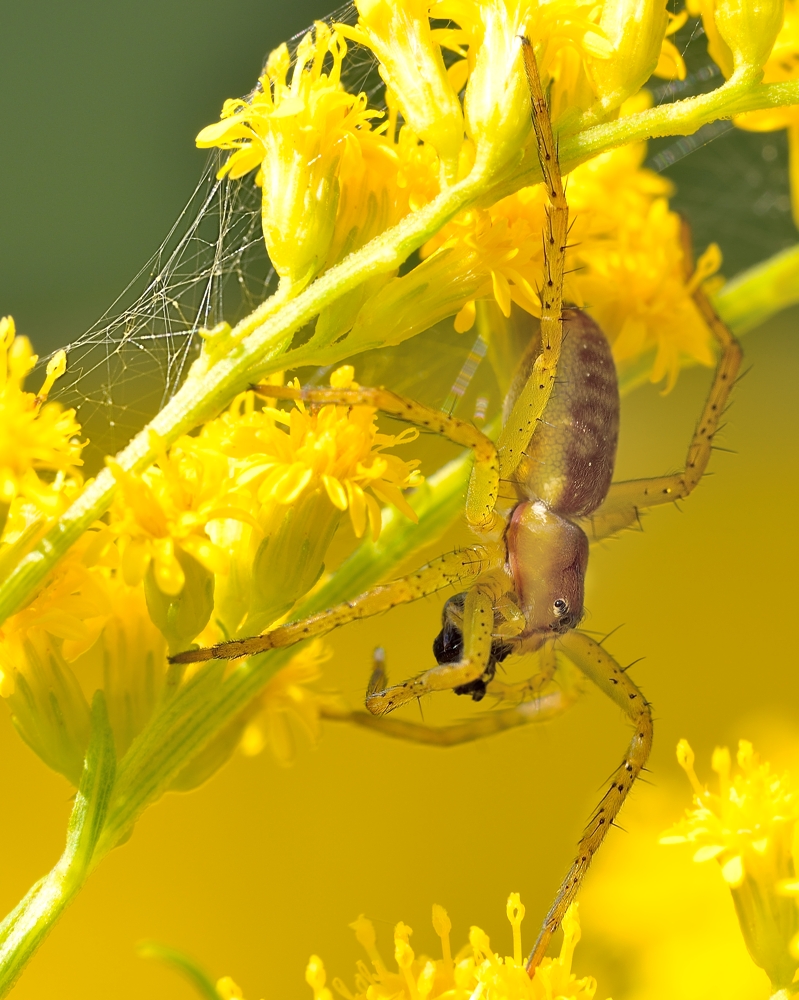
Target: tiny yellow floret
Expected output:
[749,827]
[40,450]
[477,971]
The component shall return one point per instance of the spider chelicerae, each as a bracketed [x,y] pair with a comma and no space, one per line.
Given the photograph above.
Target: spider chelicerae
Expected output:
[519,588]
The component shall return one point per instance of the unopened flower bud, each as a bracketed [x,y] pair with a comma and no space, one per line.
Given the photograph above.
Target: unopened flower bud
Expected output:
[411,65]
[635,33]
[183,615]
[497,102]
[48,707]
[744,32]
[291,556]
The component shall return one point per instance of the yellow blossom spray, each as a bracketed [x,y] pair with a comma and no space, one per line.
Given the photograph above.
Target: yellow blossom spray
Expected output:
[749,826]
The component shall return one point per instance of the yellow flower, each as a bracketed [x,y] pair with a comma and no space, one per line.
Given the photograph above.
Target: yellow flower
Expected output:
[749,828]
[257,497]
[296,132]
[333,450]
[412,67]
[285,698]
[634,270]
[591,56]
[476,971]
[636,33]
[85,629]
[35,437]
[163,513]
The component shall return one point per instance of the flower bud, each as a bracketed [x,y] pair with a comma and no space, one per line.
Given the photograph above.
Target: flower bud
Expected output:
[48,707]
[741,33]
[412,67]
[295,129]
[635,31]
[181,616]
[290,558]
[497,102]
[750,28]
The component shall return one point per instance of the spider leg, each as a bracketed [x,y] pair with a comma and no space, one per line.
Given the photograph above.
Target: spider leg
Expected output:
[599,667]
[478,627]
[531,402]
[536,708]
[531,688]
[450,570]
[484,483]
[624,500]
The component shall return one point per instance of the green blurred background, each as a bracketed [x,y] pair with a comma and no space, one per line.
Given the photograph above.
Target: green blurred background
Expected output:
[99,105]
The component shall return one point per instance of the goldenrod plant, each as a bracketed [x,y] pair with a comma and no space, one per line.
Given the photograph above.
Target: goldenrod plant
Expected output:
[382,215]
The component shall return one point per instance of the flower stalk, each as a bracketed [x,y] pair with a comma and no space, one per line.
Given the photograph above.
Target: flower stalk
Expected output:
[26,927]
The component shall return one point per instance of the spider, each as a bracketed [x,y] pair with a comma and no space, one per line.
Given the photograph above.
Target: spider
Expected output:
[520,586]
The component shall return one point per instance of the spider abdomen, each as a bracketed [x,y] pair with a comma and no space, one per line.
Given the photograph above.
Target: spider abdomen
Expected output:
[569,461]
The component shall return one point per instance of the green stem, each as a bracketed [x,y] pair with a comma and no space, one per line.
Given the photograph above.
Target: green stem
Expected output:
[761,291]
[26,927]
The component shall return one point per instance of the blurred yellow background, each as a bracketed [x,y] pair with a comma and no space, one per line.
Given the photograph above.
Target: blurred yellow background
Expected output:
[265,865]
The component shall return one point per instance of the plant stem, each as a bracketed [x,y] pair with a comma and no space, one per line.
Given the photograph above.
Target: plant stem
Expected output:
[761,291]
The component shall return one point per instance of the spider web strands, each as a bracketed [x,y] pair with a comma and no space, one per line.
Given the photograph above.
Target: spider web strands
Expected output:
[465,375]
[210,267]
[688,143]
[129,364]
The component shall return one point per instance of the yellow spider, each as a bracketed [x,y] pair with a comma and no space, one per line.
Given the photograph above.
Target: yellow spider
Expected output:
[520,587]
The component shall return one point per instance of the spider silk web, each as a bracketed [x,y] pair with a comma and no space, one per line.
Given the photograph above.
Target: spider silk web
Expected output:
[212,265]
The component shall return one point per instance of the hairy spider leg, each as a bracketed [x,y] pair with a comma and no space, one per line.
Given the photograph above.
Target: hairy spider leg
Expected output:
[540,708]
[478,628]
[600,667]
[481,497]
[532,401]
[624,500]
[450,570]
[531,688]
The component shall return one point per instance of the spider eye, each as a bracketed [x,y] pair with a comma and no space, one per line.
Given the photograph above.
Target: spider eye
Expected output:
[561,606]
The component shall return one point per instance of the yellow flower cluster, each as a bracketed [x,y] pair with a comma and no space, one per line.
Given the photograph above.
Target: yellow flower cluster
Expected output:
[39,446]
[750,828]
[464,114]
[221,537]
[476,971]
